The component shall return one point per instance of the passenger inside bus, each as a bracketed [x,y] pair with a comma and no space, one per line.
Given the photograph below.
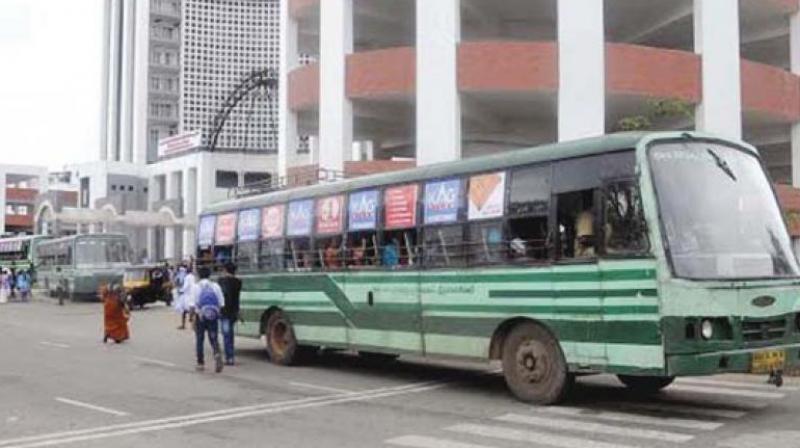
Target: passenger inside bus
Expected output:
[391,253]
[528,238]
[576,224]
[330,255]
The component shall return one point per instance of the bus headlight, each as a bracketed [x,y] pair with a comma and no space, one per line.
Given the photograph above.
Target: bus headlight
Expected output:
[707,329]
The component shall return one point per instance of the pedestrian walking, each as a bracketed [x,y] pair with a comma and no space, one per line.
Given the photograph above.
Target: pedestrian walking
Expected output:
[206,304]
[115,314]
[4,289]
[24,285]
[185,282]
[12,284]
[231,289]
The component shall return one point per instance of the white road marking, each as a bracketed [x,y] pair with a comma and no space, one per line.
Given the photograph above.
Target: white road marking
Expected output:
[563,424]
[632,418]
[736,384]
[665,406]
[430,442]
[725,391]
[538,438]
[53,344]
[322,388]
[93,407]
[155,361]
[103,432]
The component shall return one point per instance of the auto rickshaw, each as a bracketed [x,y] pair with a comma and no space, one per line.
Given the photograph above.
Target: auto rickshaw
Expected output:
[145,284]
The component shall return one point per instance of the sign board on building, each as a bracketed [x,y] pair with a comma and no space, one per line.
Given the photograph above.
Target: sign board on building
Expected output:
[178,144]
[401,207]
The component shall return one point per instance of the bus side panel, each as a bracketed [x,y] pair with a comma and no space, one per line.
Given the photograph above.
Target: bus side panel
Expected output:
[387,311]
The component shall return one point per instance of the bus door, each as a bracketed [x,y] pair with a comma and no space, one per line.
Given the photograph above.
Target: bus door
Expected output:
[386,302]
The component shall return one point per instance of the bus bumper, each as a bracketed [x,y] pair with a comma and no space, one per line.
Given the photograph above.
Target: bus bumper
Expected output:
[728,361]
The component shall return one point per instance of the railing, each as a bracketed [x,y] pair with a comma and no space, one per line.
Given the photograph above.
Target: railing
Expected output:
[311,177]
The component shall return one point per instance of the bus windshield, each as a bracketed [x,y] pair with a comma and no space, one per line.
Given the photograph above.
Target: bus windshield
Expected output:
[94,251]
[719,213]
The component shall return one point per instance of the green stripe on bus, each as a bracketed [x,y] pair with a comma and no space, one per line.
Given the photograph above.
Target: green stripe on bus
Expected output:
[491,277]
[569,294]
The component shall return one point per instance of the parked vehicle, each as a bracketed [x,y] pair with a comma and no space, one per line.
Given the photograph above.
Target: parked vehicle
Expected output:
[145,284]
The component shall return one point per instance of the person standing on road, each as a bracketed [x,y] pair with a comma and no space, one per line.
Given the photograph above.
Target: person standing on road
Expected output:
[4,285]
[206,303]
[185,283]
[115,314]
[231,288]
[24,285]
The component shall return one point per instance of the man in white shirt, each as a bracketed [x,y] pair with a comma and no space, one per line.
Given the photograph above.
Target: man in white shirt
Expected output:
[205,302]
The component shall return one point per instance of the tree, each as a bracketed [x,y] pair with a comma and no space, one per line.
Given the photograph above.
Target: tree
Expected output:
[657,112]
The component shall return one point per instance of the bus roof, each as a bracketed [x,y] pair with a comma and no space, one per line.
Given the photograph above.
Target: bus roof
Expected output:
[22,238]
[83,235]
[577,148]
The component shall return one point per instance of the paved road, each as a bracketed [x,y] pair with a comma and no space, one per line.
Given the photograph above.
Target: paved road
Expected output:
[60,386]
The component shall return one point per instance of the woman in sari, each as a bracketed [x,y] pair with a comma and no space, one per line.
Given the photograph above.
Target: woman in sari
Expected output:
[115,313]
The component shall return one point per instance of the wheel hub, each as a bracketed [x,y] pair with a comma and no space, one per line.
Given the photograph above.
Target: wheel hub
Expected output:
[532,362]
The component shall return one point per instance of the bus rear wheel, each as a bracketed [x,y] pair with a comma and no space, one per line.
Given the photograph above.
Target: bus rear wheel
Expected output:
[646,384]
[282,345]
[534,366]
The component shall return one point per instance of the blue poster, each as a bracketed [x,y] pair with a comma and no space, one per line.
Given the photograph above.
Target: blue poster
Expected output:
[363,210]
[205,231]
[301,214]
[248,224]
[442,201]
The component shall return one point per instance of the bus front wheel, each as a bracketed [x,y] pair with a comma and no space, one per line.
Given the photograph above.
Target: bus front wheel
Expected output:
[282,345]
[534,366]
[646,384]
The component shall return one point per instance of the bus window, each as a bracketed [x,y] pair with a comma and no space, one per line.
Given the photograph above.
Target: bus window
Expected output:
[273,255]
[528,212]
[576,224]
[399,249]
[486,243]
[222,255]
[361,249]
[528,239]
[625,231]
[444,246]
[329,252]
[301,255]
[247,255]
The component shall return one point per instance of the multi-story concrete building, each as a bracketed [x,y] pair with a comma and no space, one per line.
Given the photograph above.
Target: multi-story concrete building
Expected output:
[446,79]
[169,66]
[19,187]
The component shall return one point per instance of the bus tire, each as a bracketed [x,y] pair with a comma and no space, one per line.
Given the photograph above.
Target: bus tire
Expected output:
[645,384]
[282,345]
[534,366]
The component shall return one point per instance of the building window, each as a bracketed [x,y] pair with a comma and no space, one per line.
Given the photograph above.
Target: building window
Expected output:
[227,179]
[256,178]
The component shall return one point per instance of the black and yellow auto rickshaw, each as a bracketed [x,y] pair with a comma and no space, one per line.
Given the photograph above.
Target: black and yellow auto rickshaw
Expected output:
[145,284]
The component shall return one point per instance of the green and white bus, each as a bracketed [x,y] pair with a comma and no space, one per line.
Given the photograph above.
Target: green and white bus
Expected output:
[648,256]
[19,253]
[77,266]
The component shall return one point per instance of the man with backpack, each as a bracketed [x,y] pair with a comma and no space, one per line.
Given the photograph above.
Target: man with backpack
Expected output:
[206,302]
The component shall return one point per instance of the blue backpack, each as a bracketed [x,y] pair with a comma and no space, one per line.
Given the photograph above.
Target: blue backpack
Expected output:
[207,303]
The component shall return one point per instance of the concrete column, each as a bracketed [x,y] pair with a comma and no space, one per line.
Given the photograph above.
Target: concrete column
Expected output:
[106,79]
[581,60]
[169,244]
[287,130]
[335,109]
[189,210]
[716,36]
[152,250]
[794,49]
[141,79]
[438,100]
[115,73]
[2,201]
[128,69]
[172,180]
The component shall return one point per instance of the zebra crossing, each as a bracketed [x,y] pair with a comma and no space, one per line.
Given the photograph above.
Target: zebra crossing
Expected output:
[688,409]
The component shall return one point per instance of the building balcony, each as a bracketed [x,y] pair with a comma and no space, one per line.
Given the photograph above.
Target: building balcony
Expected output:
[25,195]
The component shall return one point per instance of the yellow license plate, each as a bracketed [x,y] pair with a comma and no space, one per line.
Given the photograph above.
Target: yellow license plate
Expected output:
[767,361]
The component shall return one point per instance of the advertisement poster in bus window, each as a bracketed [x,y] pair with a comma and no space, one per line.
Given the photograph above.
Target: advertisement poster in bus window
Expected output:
[487,196]
[226,229]
[330,215]
[205,231]
[248,224]
[300,218]
[401,207]
[442,200]
[363,210]
[272,222]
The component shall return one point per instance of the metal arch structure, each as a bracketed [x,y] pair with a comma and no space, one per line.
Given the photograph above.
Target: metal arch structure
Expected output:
[266,78]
